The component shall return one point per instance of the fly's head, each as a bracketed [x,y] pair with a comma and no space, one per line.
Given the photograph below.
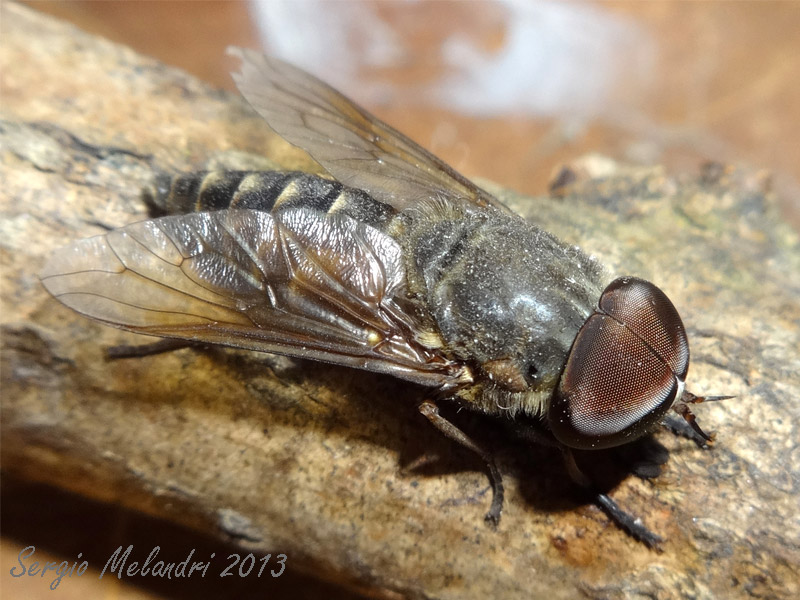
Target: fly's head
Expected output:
[626,369]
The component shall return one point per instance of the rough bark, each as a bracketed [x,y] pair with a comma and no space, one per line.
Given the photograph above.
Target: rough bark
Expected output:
[289,456]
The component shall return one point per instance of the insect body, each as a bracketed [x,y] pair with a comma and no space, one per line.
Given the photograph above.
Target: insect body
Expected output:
[400,266]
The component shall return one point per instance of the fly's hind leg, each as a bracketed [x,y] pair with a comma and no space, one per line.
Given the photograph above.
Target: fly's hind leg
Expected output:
[631,525]
[431,412]
[140,350]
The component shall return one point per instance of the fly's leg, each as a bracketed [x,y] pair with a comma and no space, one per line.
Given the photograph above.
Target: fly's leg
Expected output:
[688,427]
[631,525]
[681,427]
[431,412]
[420,462]
[140,350]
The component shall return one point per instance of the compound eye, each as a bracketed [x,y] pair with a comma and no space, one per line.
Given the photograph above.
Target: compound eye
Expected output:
[625,369]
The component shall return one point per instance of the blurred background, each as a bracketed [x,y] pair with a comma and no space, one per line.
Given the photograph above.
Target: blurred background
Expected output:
[508,89]
[505,90]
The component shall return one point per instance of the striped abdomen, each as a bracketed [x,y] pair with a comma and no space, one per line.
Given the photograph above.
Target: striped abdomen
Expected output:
[262,190]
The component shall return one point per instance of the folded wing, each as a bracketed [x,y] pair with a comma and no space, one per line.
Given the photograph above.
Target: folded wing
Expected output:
[299,283]
[354,146]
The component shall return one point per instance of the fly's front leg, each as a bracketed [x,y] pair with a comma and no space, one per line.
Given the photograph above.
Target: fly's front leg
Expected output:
[687,426]
[431,412]
[633,526]
[681,427]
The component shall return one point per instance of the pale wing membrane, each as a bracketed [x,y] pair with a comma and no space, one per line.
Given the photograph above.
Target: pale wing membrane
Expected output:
[299,283]
[355,147]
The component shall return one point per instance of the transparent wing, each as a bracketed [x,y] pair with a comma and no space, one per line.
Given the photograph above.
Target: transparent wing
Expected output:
[298,283]
[352,145]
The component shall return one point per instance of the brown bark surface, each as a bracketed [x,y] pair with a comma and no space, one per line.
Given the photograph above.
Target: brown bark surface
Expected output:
[290,456]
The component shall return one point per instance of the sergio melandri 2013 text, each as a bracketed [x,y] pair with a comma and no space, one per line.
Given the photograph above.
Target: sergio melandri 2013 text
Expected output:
[119,564]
